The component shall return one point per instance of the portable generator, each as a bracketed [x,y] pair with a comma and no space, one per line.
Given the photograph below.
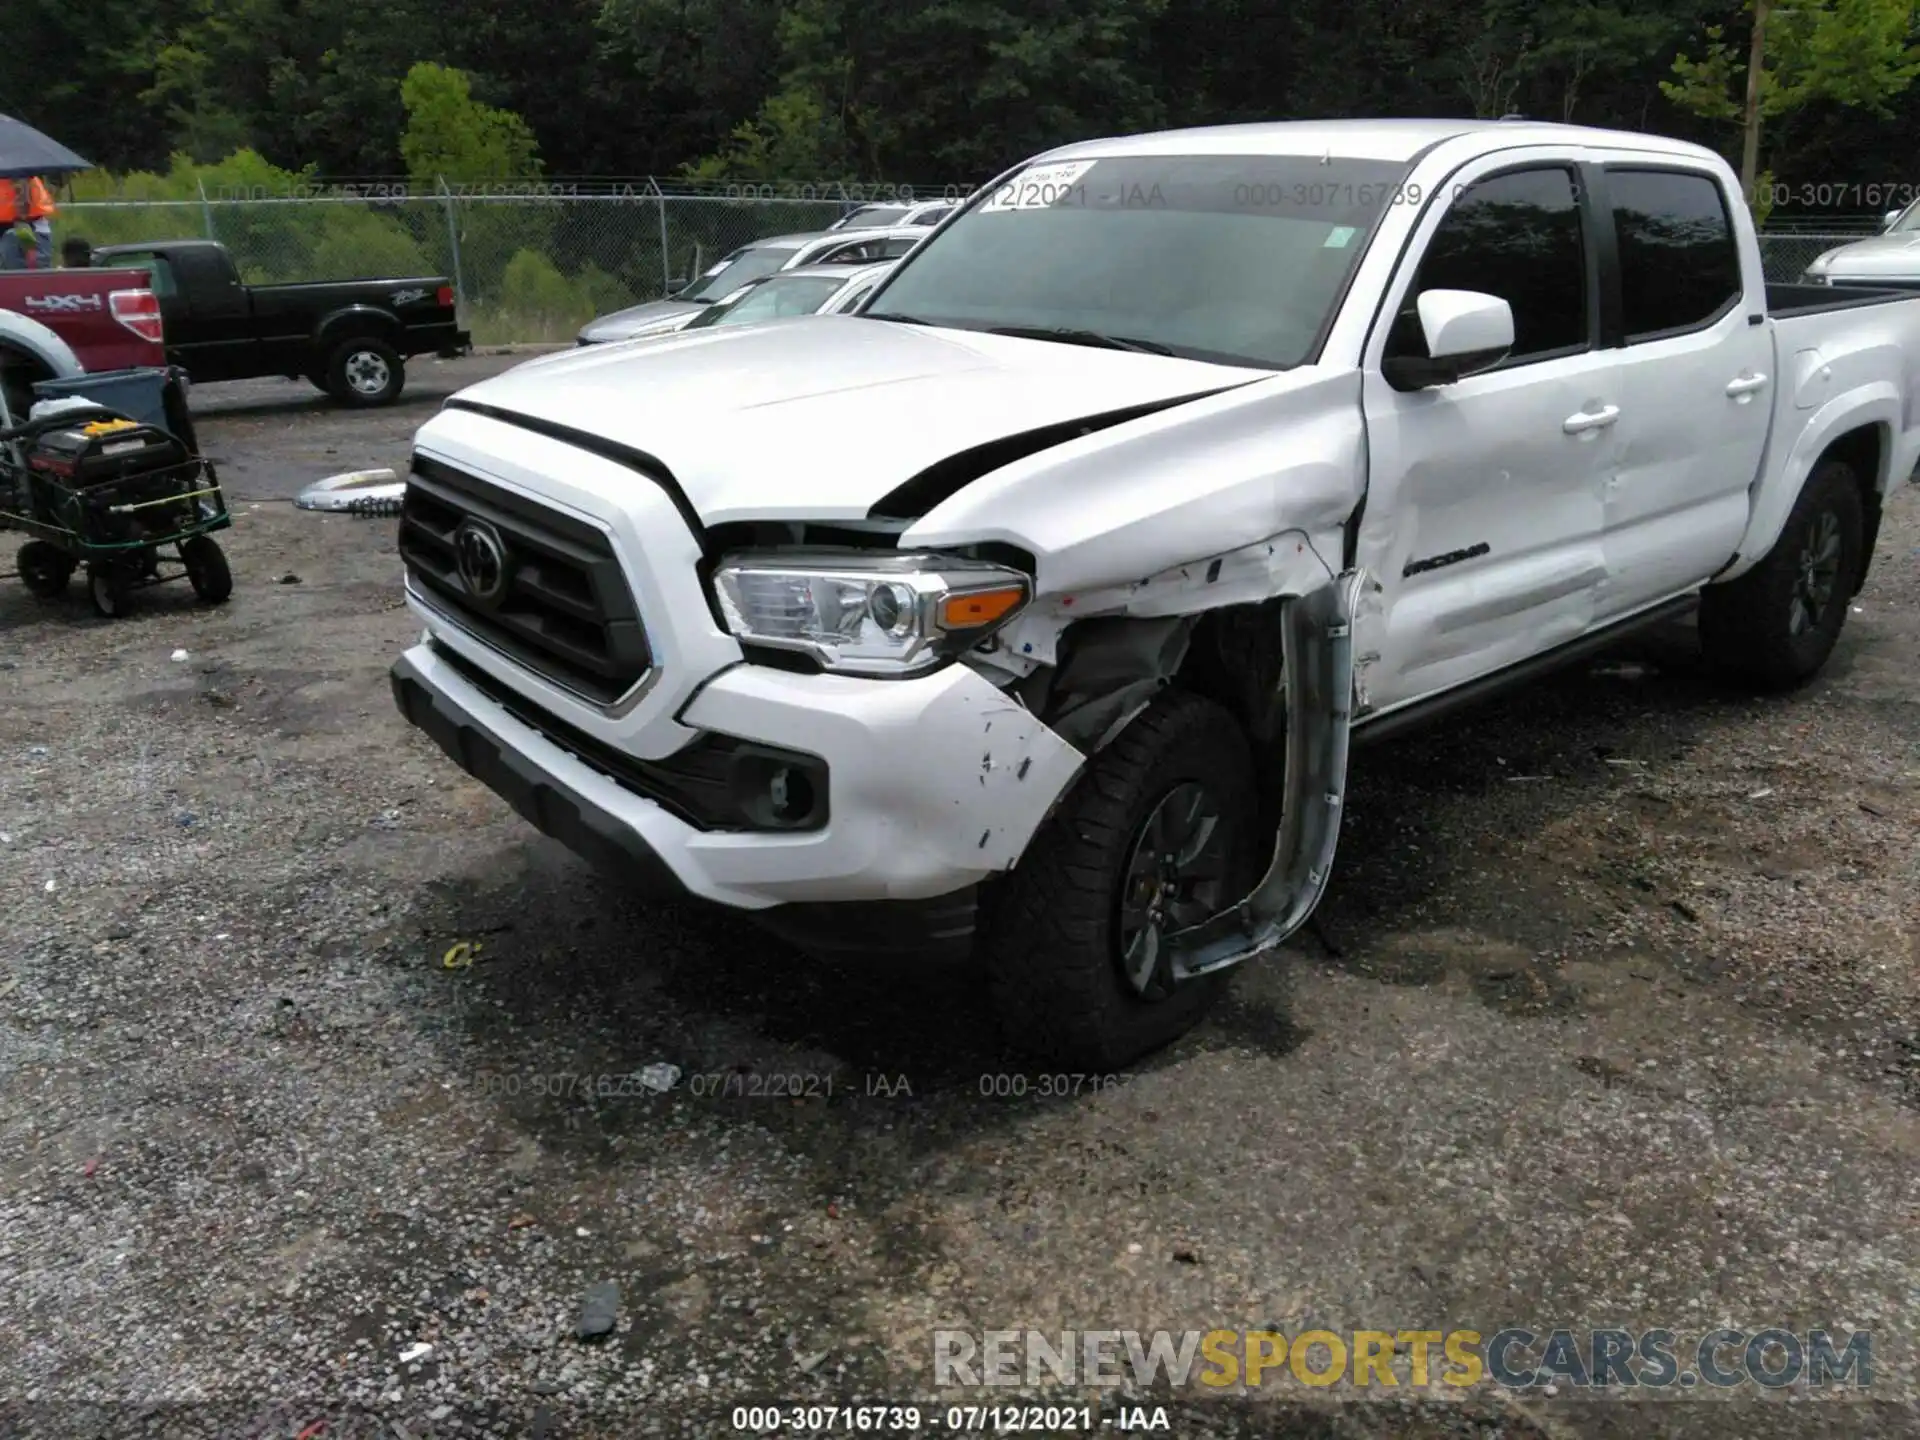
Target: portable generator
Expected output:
[97,488]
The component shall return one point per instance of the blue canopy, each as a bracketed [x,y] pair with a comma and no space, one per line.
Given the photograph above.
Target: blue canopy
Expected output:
[24,151]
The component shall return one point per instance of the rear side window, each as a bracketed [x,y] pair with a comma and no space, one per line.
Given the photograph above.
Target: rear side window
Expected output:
[159,273]
[1516,236]
[1679,265]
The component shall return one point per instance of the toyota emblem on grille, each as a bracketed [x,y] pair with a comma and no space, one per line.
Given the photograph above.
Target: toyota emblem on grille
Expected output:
[482,561]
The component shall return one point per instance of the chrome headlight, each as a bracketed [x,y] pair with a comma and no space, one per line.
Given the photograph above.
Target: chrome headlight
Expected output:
[1816,271]
[867,614]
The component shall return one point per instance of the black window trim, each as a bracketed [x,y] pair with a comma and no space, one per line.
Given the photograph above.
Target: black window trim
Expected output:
[1573,167]
[1615,278]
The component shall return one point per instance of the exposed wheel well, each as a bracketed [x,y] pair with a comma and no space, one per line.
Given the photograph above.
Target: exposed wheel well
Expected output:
[1864,452]
[18,371]
[1111,667]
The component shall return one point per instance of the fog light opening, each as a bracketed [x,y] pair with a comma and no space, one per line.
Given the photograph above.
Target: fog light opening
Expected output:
[789,794]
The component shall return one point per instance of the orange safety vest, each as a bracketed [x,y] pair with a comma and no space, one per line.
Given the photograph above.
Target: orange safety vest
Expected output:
[40,204]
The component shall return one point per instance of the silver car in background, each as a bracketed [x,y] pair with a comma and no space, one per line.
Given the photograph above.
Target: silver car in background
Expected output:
[753,262]
[1888,261]
[804,290]
[926,213]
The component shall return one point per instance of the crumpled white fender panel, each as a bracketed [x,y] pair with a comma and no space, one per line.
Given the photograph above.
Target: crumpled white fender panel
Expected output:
[1182,487]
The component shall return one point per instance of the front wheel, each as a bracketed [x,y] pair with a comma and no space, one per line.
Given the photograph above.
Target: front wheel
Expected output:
[364,371]
[1159,833]
[1774,627]
[110,588]
[207,569]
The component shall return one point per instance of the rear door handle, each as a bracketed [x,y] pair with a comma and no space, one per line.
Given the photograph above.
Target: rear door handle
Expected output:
[1591,420]
[1746,385]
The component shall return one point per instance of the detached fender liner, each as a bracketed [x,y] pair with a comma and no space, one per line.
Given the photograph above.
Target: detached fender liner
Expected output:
[556,810]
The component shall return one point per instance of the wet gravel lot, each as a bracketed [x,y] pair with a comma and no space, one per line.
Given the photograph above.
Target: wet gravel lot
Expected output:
[312,1055]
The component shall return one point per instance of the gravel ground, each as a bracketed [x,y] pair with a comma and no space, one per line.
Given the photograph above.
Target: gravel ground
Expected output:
[1611,1021]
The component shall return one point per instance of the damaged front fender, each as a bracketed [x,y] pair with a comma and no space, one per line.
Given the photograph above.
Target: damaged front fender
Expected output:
[1318,678]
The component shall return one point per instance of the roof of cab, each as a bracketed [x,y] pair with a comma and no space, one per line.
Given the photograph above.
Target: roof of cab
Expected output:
[1390,140]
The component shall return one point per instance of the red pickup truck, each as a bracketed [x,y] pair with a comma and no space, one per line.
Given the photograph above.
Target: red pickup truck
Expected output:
[56,323]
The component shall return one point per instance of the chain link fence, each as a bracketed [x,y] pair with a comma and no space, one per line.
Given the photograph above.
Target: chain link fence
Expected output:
[529,265]
[1786,255]
[534,263]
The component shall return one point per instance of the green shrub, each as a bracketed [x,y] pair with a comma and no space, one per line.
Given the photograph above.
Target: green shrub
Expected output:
[356,243]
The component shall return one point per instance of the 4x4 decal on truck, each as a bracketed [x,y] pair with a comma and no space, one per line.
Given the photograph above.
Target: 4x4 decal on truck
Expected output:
[407,297]
[64,304]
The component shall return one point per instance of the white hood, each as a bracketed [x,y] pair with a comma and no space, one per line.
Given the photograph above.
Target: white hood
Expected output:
[1888,257]
[819,417]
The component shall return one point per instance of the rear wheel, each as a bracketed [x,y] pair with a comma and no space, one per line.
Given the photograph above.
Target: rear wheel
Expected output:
[1774,627]
[1158,834]
[110,587]
[45,569]
[207,569]
[364,371]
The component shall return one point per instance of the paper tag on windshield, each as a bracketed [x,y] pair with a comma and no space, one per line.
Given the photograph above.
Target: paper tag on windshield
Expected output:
[1338,237]
[1040,186]
[709,274]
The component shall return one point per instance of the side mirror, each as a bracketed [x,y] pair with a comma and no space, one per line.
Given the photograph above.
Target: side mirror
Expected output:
[1887,220]
[1466,332]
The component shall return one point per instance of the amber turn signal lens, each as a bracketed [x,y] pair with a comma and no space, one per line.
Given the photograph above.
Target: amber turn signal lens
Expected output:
[974,608]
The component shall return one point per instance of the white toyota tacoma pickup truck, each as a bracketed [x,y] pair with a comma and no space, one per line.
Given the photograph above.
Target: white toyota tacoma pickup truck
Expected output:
[1029,609]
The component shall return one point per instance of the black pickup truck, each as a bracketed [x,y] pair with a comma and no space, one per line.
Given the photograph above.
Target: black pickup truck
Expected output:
[349,337]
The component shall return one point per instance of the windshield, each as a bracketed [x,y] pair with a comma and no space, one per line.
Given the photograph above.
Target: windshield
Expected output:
[1233,258]
[1909,221]
[870,215]
[747,263]
[773,299]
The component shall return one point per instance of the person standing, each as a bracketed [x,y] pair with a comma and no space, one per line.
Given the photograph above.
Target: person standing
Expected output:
[40,213]
[26,215]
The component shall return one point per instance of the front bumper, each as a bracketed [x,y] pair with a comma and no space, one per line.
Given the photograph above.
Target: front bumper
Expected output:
[934,784]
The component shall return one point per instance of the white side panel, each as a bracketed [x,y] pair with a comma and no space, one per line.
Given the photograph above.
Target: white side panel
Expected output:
[1181,487]
[1852,368]
[1679,498]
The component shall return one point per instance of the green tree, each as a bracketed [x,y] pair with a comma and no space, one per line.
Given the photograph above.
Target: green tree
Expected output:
[920,90]
[1858,54]
[452,135]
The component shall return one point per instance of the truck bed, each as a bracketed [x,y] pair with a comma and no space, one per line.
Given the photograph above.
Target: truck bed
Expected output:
[1788,300]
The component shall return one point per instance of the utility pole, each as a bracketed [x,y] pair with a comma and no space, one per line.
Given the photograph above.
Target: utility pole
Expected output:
[1750,147]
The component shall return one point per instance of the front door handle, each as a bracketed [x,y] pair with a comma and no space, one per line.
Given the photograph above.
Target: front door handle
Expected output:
[1591,420]
[1746,385]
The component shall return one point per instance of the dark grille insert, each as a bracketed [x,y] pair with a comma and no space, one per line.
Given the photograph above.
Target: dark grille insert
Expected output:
[701,784]
[567,616]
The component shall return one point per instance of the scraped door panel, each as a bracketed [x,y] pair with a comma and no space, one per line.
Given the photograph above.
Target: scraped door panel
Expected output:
[1484,509]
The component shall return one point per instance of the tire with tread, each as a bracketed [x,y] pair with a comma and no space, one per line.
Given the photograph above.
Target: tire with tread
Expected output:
[45,569]
[110,589]
[344,354]
[1746,629]
[207,569]
[1048,929]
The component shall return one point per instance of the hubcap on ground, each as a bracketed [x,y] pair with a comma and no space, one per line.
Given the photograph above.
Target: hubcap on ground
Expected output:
[1819,573]
[1175,877]
[367,372]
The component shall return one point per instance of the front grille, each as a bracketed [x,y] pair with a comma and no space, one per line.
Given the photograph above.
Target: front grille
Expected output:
[567,613]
